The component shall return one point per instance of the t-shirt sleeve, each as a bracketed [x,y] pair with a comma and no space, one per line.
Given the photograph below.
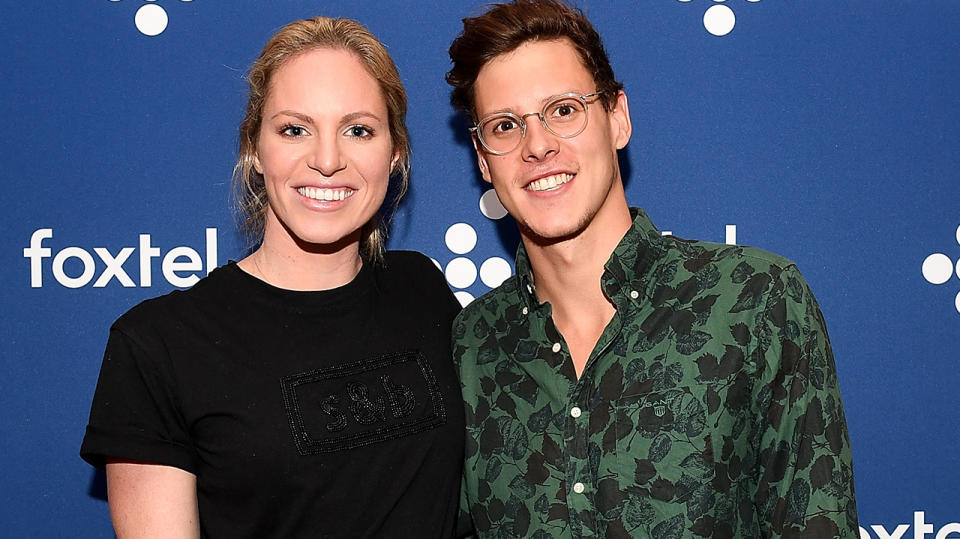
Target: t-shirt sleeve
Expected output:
[805,475]
[135,413]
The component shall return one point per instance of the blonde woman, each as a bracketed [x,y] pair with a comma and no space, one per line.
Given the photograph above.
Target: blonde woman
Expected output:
[307,390]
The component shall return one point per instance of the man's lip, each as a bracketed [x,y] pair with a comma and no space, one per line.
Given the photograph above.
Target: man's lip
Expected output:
[540,176]
[549,182]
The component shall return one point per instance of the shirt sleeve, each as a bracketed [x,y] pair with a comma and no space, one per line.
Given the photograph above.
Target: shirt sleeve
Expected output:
[135,413]
[804,479]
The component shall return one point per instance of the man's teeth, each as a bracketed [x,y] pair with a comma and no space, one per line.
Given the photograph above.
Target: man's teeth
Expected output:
[326,194]
[550,182]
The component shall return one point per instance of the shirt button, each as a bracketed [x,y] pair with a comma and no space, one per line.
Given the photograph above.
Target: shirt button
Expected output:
[556,347]
[578,488]
[575,412]
[526,310]
[634,294]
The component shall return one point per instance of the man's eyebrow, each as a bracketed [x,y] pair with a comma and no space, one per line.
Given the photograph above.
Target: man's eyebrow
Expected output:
[543,103]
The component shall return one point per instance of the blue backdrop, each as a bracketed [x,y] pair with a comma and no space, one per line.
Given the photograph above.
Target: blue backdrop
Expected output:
[824,131]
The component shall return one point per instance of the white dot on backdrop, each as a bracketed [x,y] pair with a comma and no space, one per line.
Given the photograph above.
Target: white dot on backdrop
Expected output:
[151,20]
[937,268]
[461,272]
[719,20]
[490,205]
[461,238]
[753,0]
[958,234]
[435,263]
[494,271]
[463,297]
[957,303]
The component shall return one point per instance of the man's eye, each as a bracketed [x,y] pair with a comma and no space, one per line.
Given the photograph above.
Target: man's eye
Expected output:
[504,126]
[564,109]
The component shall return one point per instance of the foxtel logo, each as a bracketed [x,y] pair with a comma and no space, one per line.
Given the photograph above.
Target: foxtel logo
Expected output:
[179,265]
[921,529]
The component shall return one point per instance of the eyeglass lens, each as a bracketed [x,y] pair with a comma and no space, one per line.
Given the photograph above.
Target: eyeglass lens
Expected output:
[564,117]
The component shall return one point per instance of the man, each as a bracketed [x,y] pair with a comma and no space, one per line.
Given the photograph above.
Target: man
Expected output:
[625,384]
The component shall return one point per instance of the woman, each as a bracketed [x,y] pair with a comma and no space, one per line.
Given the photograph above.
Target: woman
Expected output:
[307,390]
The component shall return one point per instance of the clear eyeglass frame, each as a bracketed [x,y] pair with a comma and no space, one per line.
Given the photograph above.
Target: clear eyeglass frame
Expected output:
[560,129]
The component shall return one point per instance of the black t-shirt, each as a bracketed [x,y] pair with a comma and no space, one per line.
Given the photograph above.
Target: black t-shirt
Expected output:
[334,413]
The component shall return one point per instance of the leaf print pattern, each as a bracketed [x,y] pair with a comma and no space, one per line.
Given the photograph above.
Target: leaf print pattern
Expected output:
[709,408]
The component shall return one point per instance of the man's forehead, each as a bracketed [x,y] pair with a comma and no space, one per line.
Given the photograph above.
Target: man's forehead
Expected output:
[532,73]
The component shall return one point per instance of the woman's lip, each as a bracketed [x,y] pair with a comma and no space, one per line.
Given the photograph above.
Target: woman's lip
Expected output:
[326,194]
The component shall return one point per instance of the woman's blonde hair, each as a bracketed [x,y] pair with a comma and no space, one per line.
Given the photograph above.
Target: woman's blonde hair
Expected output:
[292,40]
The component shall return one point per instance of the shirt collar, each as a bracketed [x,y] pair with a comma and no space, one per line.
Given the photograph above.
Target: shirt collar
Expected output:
[629,268]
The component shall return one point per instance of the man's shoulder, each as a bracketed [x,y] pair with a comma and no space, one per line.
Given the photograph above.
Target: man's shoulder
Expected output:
[493,305]
[721,254]
[718,263]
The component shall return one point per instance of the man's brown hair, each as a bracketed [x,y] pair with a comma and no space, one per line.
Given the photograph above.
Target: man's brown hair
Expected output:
[506,26]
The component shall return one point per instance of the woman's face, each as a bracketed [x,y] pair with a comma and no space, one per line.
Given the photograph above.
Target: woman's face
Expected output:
[325,150]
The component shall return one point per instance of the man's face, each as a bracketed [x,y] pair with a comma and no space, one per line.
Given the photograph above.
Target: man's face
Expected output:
[554,187]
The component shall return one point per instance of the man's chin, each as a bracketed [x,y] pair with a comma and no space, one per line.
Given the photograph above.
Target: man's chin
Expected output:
[547,234]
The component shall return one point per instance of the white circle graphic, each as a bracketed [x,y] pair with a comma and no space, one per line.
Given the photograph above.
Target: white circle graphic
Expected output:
[461,238]
[719,20]
[463,297]
[151,20]
[958,234]
[437,264]
[494,271]
[937,268]
[491,207]
[957,303]
[461,272]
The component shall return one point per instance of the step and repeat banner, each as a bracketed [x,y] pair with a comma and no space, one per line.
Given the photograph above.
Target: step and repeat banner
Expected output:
[820,130]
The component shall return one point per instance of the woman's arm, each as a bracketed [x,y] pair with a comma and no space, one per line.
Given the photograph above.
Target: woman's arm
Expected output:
[152,500]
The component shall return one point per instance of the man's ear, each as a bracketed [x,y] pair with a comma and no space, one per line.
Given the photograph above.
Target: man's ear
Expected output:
[481,160]
[620,126]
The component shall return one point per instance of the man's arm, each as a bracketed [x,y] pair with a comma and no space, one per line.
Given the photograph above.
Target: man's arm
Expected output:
[804,480]
[152,500]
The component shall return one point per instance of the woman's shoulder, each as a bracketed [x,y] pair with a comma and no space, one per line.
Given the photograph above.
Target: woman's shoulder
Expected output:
[174,306]
[410,264]
[411,272]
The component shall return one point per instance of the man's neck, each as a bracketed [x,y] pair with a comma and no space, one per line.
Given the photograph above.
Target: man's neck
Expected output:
[567,274]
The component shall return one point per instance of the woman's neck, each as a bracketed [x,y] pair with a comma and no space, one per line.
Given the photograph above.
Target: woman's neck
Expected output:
[285,262]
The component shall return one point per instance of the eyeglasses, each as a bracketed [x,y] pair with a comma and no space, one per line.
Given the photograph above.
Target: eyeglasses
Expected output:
[565,116]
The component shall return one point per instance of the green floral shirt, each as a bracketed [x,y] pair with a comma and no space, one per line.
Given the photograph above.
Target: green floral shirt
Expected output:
[708,408]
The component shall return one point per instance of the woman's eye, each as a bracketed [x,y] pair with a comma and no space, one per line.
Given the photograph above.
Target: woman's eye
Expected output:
[294,131]
[359,131]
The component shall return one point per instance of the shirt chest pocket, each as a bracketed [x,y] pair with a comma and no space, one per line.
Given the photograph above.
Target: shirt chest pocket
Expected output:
[663,444]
